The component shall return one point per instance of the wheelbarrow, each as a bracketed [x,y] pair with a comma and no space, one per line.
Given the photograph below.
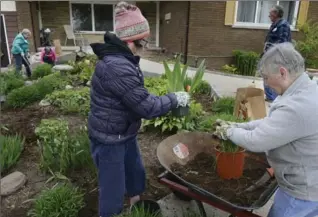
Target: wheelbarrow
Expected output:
[184,147]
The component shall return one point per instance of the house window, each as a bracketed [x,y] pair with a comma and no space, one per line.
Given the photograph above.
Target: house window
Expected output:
[256,13]
[92,17]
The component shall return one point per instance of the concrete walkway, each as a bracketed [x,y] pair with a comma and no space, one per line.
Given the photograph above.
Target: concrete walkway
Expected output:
[223,85]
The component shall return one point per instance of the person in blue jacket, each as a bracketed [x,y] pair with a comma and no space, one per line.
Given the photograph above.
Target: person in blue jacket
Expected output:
[279,32]
[20,51]
[119,101]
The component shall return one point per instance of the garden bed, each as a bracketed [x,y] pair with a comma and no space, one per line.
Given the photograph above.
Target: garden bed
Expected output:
[60,122]
[201,171]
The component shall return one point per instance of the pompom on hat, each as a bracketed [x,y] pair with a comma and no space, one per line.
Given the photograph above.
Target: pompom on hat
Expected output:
[130,24]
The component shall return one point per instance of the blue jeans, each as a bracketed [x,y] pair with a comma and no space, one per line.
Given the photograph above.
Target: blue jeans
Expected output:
[120,172]
[19,60]
[270,93]
[288,206]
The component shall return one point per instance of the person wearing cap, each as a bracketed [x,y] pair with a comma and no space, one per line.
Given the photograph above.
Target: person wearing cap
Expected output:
[119,101]
[20,51]
[289,133]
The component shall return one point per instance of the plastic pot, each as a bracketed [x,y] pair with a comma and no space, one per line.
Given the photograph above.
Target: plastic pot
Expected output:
[180,111]
[230,165]
[149,206]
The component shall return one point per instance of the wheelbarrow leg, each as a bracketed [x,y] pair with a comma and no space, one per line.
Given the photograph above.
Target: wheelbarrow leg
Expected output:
[201,208]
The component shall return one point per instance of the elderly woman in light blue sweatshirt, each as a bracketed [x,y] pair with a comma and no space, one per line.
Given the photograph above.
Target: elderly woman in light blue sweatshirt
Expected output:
[288,135]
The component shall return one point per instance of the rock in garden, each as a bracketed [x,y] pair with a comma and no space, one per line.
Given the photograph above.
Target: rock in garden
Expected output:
[68,87]
[63,67]
[12,182]
[28,83]
[88,83]
[44,102]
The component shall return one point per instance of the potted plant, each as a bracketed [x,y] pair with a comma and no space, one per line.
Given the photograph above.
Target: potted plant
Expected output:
[230,160]
[176,82]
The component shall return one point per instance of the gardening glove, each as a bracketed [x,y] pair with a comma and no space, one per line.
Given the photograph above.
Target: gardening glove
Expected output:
[183,99]
[221,132]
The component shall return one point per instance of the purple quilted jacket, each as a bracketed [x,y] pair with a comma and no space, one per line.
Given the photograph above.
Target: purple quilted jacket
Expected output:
[118,97]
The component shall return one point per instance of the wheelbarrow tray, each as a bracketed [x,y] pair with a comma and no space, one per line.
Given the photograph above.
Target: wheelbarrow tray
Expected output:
[198,142]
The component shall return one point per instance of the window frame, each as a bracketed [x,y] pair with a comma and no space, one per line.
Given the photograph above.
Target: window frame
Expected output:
[92,3]
[254,25]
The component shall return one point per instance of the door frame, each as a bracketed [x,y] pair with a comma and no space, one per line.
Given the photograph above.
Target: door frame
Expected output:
[6,37]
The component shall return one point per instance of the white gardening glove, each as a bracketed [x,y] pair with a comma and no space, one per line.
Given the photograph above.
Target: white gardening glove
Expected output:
[183,99]
[220,132]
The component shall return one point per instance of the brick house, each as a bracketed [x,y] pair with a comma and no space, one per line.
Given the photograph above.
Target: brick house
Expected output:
[206,29]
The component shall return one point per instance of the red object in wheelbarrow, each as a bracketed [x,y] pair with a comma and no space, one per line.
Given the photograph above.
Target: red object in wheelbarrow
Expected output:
[182,148]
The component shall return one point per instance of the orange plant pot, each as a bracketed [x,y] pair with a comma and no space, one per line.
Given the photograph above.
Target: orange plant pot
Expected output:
[230,165]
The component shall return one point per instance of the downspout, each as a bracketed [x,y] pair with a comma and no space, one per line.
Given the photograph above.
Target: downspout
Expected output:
[186,41]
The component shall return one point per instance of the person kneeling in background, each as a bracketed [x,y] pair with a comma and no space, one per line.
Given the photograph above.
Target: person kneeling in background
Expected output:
[48,56]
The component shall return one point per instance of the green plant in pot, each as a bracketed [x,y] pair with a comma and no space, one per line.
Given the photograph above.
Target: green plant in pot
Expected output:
[176,80]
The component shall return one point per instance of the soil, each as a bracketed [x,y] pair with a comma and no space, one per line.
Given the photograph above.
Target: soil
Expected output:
[201,171]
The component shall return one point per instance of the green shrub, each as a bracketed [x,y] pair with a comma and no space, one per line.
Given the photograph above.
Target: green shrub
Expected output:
[42,70]
[10,151]
[229,69]
[72,100]
[246,62]
[61,151]
[27,95]
[309,46]
[23,96]
[62,200]
[10,81]
[224,105]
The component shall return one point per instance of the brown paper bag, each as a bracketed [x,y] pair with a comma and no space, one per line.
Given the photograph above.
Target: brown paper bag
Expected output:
[58,47]
[250,103]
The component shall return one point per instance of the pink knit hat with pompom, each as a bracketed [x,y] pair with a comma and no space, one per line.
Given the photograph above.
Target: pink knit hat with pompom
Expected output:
[130,24]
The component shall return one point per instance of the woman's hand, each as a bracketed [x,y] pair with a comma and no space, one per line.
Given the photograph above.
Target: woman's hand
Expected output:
[183,98]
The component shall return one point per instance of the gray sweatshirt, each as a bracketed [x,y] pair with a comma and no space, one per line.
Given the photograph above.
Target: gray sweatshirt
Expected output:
[289,136]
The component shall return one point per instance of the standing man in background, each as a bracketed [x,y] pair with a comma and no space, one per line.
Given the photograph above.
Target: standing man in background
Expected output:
[279,32]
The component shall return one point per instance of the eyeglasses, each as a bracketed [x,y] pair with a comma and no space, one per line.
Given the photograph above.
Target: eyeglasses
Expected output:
[141,43]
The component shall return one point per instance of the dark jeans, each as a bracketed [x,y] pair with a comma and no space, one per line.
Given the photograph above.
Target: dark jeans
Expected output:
[120,171]
[48,60]
[19,60]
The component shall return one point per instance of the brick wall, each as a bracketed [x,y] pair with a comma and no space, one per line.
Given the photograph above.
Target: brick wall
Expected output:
[25,20]
[208,36]
[172,33]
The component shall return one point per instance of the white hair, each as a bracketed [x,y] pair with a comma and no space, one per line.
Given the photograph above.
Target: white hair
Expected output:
[26,31]
[282,55]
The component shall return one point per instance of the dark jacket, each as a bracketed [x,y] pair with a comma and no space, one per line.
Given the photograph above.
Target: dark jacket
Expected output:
[279,32]
[118,97]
